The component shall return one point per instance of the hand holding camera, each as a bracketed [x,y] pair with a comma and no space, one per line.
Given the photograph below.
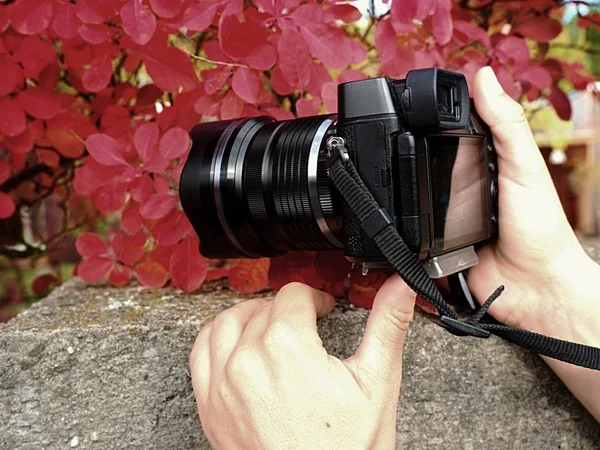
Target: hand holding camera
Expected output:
[549,290]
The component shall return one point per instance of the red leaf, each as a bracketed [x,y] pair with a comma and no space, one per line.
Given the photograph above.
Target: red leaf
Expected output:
[249,275]
[351,75]
[138,21]
[425,305]
[174,143]
[537,76]
[262,57]
[94,269]
[237,39]
[115,243]
[166,8]
[88,13]
[333,266]
[133,248]
[442,25]
[232,106]
[279,82]
[97,76]
[162,255]
[199,16]
[288,268]
[141,188]
[171,230]
[403,12]
[364,288]
[329,93]
[158,206]
[215,79]
[105,150]
[512,47]
[188,268]
[357,52]
[345,13]
[66,21]
[151,274]
[131,221]
[472,32]
[217,274]
[110,197]
[12,75]
[294,59]
[539,28]
[328,44]
[31,16]
[307,108]
[40,103]
[336,289]
[119,276]
[145,139]
[307,14]
[44,284]
[7,206]
[280,113]
[246,84]
[170,69]
[561,102]
[161,184]
[90,244]
[12,118]
[94,35]
[319,76]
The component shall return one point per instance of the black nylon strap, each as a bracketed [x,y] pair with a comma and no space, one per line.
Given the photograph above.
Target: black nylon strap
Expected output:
[376,224]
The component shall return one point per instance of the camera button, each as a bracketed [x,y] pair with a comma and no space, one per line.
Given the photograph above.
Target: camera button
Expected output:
[494,189]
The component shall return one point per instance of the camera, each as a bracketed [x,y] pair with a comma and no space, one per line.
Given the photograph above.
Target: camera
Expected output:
[258,187]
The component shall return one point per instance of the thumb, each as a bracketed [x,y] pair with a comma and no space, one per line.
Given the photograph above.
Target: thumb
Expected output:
[380,352]
[513,138]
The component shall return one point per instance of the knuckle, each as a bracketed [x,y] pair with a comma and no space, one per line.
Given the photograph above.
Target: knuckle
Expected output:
[517,113]
[280,335]
[243,364]
[400,319]
[293,289]
[225,319]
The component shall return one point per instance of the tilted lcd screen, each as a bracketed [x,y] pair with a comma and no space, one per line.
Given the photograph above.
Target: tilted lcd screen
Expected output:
[458,191]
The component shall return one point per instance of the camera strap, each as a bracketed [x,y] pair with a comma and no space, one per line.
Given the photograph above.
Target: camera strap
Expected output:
[377,224]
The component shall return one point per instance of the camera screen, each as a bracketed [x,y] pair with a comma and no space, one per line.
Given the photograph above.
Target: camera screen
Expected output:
[458,191]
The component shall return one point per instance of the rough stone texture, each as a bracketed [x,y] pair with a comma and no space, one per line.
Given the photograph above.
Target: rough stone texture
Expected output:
[98,367]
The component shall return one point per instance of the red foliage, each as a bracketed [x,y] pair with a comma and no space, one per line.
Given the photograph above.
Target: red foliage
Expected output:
[97,98]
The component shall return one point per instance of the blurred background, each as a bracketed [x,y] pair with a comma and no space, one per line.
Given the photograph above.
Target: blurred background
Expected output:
[37,241]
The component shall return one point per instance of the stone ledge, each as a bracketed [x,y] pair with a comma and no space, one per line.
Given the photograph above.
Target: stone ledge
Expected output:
[98,367]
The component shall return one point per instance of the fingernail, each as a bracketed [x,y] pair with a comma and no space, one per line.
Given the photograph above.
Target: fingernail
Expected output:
[492,85]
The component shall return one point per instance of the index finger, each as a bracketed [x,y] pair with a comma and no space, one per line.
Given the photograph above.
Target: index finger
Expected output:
[299,305]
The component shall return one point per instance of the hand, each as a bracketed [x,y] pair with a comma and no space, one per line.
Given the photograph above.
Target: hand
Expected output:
[262,378]
[537,256]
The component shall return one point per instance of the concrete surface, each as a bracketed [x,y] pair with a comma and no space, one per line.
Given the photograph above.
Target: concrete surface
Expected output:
[105,368]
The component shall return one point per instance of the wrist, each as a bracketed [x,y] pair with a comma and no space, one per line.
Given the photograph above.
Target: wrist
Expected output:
[565,304]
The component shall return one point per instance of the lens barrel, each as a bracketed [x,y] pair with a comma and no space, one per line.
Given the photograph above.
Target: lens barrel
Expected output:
[258,187]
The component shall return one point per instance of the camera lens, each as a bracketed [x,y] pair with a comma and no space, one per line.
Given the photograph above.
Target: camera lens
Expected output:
[258,187]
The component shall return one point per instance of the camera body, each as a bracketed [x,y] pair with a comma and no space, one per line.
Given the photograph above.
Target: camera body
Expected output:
[405,138]
[256,187]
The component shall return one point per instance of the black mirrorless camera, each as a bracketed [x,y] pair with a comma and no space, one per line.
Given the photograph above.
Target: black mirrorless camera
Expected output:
[257,187]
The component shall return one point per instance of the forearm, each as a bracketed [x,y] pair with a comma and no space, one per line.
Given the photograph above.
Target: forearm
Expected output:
[574,315]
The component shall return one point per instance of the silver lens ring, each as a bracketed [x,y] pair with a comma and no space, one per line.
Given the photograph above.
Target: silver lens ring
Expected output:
[215,174]
[313,192]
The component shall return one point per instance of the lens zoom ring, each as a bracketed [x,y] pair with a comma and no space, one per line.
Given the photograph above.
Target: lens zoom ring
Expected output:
[290,183]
